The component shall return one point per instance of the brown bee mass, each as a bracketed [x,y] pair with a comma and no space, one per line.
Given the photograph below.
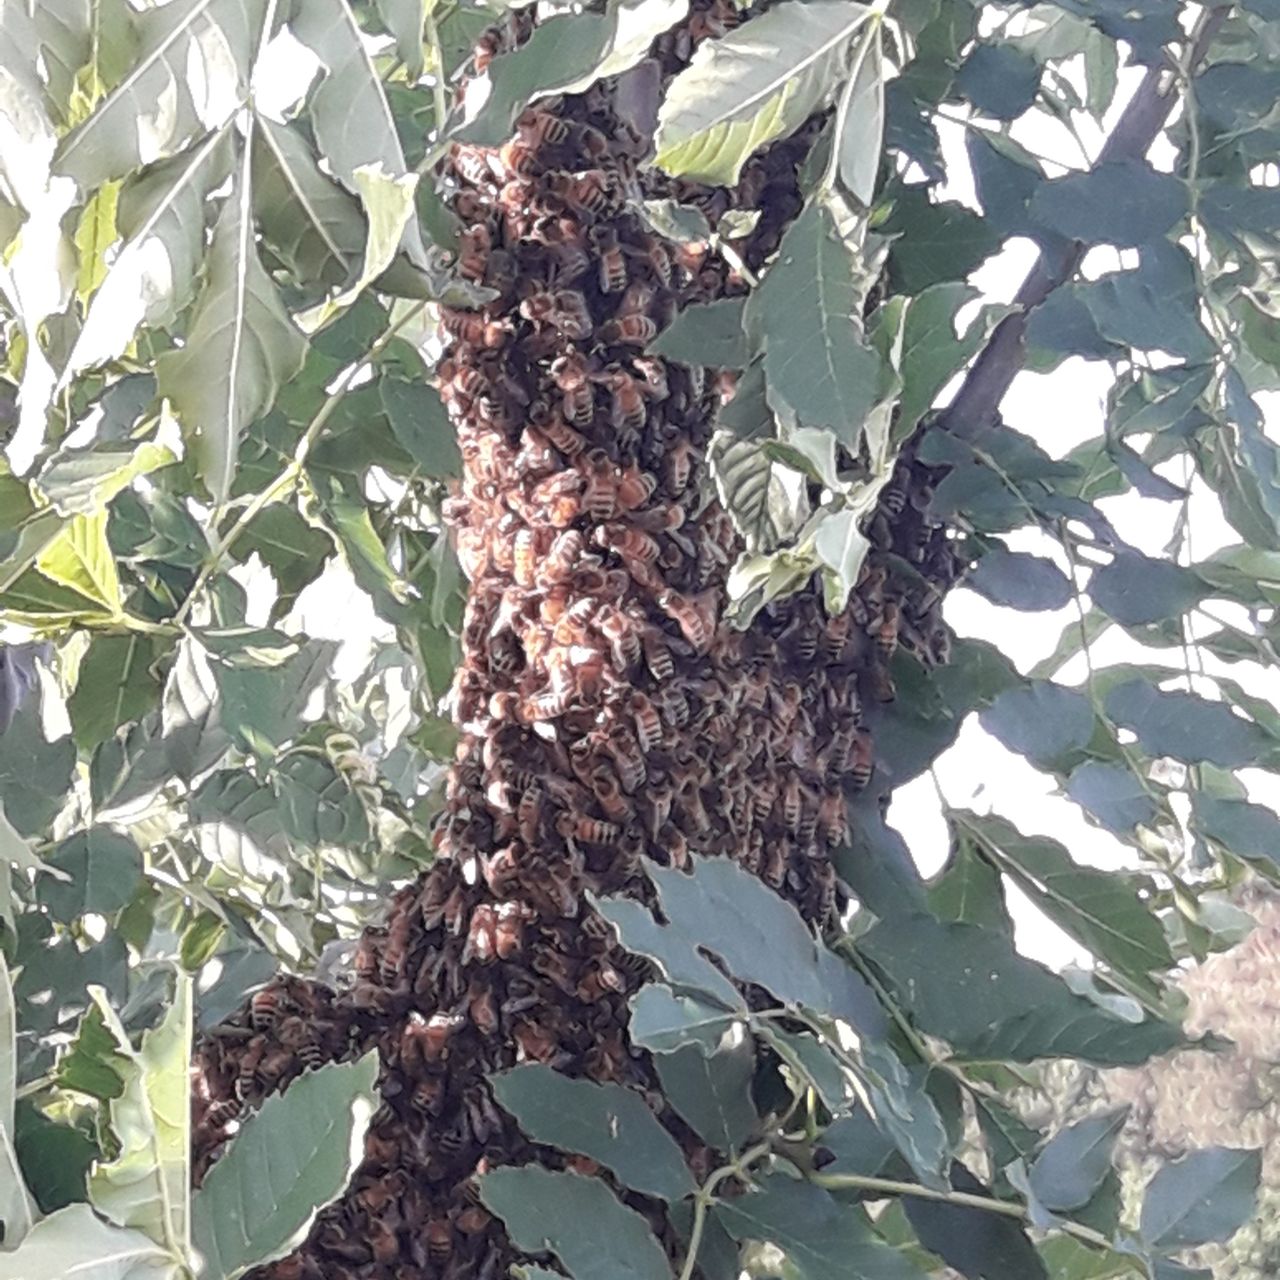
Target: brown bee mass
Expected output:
[607,712]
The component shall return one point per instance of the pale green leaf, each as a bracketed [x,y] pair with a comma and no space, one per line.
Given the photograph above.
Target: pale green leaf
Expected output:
[287,1162]
[842,547]
[17,850]
[388,202]
[83,482]
[348,108]
[28,140]
[404,20]
[161,215]
[859,138]
[95,233]
[80,558]
[755,84]
[76,1244]
[759,492]
[147,1185]
[190,75]
[241,348]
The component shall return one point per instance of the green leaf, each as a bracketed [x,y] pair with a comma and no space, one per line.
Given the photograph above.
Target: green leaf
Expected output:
[153,276]
[759,82]
[969,889]
[760,493]
[1019,580]
[404,20]
[1207,1195]
[1074,1163]
[859,138]
[84,481]
[317,805]
[159,106]
[662,1021]
[1101,909]
[967,985]
[419,421]
[262,707]
[146,1186]
[1186,727]
[809,309]
[1135,589]
[96,232]
[607,1122]
[101,867]
[576,1218]
[287,1162]
[18,850]
[708,333]
[194,737]
[117,683]
[1113,794]
[1246,830]
[75,1242]
[1121,202]
[34,772]
[292,549]
[314,226]
[999,80]
[935,242]
[241,348]
[389,204]
[842,547]
[713,1094]
[558,53]
[822,1238]
[1042,721]
[348,108]
[80,559]
[95,1064]
[131,764]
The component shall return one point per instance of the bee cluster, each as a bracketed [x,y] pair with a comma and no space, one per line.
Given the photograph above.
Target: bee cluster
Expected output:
[607,713]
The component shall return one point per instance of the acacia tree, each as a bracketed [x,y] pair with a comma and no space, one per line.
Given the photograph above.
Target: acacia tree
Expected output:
[524,898]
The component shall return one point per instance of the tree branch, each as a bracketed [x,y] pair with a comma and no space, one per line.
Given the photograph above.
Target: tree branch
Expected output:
[984,387]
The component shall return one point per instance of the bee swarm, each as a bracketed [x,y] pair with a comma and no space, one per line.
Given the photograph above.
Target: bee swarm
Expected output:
[607,713]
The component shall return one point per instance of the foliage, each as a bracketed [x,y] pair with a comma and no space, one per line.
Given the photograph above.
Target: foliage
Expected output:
[231,615]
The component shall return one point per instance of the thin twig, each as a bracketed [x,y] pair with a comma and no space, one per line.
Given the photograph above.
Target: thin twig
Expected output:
[706,1197]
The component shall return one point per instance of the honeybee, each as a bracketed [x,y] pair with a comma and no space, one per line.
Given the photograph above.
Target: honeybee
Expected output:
[475,330]
[563,557]
[475,164]
[613,264]
[886,629]
[648,723]
[657,655]
[426,1040]
[627,408]
[659,261]
[548,705]
[557,499]
[265,1008]
[517,157]
[578,826]
[569,260]
[695,618]
[474,245]
[600,494]
[526,558]
[592,142]
[570,373]
[632,544]
[835,636]
[571,314]
[539,127]
[653,377]
[590,191]
[862,763]
[538,307]
[604,783]
[439,1238]
[629,330]
[628,758]
[636,301]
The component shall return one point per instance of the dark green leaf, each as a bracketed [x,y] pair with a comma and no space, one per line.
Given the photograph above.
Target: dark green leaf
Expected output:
[292,549]
[1019,580]
[710,333]
[712,1095]
[104,868]
[576,1218]
[1135,589]
[1186,727]
[1113,794]
[1206,1196]
[663,1021]
[1249,831]
[607,1122]
[943,241]
[263,706]
[34,772]
[999,80]
[1121,202]
[822,1238]
[1071,1168]
[969,890]
[316,804]
[1042,721]
[117,682]
[422,426]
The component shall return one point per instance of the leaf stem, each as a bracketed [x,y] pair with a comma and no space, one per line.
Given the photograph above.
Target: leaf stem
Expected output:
[706,1197]
[988,1204]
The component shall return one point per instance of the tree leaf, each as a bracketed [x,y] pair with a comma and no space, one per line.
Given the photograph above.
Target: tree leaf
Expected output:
[83,481]
[241,348]
[76,1243]
[1076,1160]
[809,310]
[262,707]
[842,547]
[194,737]
[160,105]
[162,219]
[999,80]
[1246,830]
[1207,1195]
[404,20]
[1121,202]
[287,1162]
[101,869]
[1186,727]
[147,1185]
[757,491]
[1101,909]
[935,242]
[1042,721]
[713,1094]
[822,1238]
[707,333]
[418,418]
[607,1122]
[967,985]
[755,84]
[578,1219]
[1113,794]
[1019,580]
[860,121]
[80,559]
[662,1021]
[35,774]
[969,889]
[1135,589]
[311,223]
[348,108]
[317,804]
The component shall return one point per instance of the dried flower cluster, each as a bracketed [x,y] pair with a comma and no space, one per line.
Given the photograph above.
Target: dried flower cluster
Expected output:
[607,713]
